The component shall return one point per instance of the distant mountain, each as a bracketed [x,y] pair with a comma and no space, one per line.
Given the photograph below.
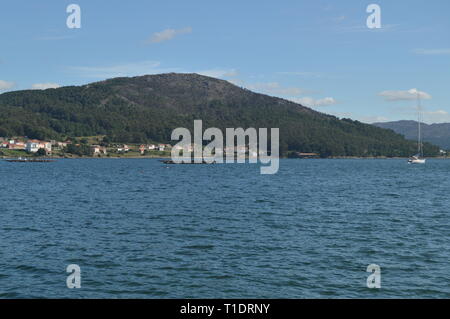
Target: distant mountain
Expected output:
[148,108]
[438,134]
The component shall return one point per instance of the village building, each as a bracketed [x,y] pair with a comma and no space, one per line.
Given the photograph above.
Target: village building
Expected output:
[98,150]
[32,146]
[17,146]
[62,145]
[123,149]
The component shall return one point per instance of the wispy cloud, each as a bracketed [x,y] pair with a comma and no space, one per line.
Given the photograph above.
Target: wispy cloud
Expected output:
[311,102]
[5,85]
[44,86]
[144,68]
[408,95]
[55,38]
[438,112]
[309,75]
[277,89]
[293,94]
[340,18]
[364,28]
[430,114]
[438,116]
[167,34]
[219,73]
[121,70]
[432,51]
[369,119]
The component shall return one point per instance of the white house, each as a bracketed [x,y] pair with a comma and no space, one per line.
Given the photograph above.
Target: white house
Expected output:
[32,146]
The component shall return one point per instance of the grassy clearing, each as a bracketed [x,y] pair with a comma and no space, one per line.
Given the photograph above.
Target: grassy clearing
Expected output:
[14,153]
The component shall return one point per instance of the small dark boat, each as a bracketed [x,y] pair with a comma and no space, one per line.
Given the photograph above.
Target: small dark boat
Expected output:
[172,162]
[32,160]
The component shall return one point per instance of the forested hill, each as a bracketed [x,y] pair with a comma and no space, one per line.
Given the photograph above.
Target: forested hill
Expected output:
[148,108]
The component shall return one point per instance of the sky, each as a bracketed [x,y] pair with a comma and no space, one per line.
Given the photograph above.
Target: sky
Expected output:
[319,53]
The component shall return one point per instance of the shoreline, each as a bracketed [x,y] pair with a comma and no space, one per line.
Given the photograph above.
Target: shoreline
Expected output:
[169,157]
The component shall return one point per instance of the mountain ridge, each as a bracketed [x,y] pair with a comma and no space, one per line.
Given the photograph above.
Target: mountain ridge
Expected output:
[147,108]
[436,133]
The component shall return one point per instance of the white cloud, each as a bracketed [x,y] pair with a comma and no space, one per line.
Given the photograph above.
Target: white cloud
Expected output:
[276,88]
[289,93]
[143,68]
[372,119]
[311,75]
[311,102]
[411,94]
[122,70]
[4,85]
[167,34]
[438,112]
[54,38]
[44,86]
[364,28]
[432,51]
[219,73]
[237,82]
[369,119]
[438,116]
[304,74]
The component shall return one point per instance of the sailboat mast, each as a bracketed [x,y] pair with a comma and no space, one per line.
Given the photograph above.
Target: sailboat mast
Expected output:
[419,119]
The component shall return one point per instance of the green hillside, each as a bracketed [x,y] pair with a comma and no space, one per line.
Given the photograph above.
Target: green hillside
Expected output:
[148,108]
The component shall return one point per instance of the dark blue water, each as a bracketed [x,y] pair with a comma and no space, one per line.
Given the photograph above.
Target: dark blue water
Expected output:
[142,229]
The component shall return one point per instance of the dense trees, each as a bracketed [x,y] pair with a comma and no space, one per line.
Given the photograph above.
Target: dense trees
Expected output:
[78,149]
[148,108]
[40,152]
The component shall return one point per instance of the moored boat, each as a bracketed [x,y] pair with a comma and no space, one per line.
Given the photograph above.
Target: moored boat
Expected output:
[418,158]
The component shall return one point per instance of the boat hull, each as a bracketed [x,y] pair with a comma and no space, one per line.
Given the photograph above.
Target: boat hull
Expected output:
[417,161]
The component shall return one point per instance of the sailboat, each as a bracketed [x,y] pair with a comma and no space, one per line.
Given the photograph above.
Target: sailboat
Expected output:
[418,158]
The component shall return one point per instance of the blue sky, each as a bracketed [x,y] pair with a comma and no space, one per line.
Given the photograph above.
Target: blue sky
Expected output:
[319,53]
